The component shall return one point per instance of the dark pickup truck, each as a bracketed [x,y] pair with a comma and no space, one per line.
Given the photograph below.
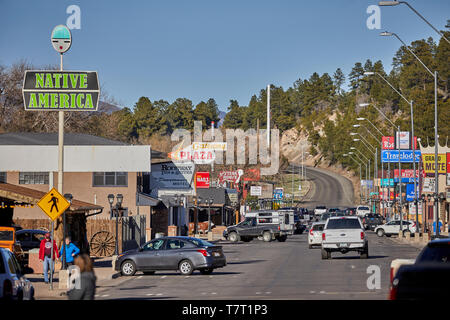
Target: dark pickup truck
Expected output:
[268,225]
[427,278]
[371,220]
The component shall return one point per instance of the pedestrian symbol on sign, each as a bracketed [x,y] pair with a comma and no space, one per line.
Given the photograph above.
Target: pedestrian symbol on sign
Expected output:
[54,201]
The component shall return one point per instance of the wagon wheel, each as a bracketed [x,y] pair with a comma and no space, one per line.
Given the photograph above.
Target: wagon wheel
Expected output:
[102,244]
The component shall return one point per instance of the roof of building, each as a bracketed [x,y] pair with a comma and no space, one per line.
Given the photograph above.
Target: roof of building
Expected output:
[31,196]
[49,139]
[70,139]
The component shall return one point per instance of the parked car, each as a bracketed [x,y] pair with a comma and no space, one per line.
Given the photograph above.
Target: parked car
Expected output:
[361,211]
[13,284]
[371,221]
[30,238]
[269,225]
[315,234]
[320,210]
[427,277]
[344,234]
[393,227]
[184,254]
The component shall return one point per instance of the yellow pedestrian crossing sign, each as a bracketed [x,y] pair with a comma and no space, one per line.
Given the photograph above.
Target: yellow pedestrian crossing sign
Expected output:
[53,204]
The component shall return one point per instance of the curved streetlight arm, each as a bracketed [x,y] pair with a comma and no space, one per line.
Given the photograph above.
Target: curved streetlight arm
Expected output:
[407,101]
[423,18]
[412,52]
[365,141]
[395,127]
[362,154]
[375,137]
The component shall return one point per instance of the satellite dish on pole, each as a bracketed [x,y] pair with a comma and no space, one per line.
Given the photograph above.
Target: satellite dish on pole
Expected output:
[61,38]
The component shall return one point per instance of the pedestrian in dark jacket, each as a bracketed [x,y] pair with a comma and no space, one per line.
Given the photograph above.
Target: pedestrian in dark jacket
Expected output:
[86,290]
[45,253]
[71,251]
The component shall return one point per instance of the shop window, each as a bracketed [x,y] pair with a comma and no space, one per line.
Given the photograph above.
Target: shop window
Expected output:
[33,177]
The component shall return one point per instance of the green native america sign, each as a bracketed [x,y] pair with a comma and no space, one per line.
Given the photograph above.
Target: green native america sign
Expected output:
[60,90]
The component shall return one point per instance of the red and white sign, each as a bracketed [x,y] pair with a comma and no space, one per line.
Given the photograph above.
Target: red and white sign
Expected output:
[406,173]
[202,180]
[388,143]
[230,176]
[188,154]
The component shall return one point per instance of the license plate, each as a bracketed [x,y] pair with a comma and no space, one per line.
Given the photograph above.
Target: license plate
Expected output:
[343,245]
[216,254]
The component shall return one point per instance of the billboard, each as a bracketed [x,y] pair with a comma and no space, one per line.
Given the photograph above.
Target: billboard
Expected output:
[202,180]
[170,175]
[388,143]
[402,140]
[230,176]
[255,190]
[429,164]
[406,173]
[406,156]
[410,192]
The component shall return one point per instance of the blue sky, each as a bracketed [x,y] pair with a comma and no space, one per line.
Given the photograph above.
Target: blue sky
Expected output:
[205,48]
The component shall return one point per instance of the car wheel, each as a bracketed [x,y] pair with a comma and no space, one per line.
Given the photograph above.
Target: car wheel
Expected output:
[365,253]
[282,238]
[186,268]
[405,232]
[380,232]
[206,271]
[267,236]
[233,237]
[128,268]
[149,273]
[325,254]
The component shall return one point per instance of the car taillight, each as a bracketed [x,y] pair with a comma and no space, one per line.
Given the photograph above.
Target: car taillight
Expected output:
[393,290]
[362,235]
[323,236]
[204,252]
[311,232]
[391,276]
[279,228]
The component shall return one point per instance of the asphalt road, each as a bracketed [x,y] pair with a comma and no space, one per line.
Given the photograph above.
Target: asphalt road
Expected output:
[328,189]
[275,270]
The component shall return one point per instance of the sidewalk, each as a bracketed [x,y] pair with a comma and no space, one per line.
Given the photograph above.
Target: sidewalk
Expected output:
[103,271]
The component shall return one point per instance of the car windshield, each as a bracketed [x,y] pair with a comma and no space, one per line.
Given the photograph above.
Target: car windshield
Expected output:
[343,224]
[439,253]
[321,207]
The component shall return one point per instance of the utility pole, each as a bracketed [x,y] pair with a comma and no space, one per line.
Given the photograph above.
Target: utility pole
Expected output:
[268,116]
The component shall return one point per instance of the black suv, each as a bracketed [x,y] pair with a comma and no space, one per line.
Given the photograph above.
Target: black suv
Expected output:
[372,220]
[268,225]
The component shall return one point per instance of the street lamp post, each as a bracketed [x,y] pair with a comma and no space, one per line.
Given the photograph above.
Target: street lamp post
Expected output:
[209,202]
[69,198]
[436,136]
[396,3]
[351,153]
[412,134]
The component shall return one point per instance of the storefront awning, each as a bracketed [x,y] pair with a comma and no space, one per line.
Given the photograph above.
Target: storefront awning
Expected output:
[31,196]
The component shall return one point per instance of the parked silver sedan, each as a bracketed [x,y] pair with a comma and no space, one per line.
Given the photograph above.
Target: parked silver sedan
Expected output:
[184,254]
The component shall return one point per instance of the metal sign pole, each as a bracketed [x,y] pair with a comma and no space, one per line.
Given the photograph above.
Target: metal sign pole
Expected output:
[51,258]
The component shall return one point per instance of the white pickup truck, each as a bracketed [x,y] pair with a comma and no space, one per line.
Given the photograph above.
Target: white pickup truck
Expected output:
[344,234]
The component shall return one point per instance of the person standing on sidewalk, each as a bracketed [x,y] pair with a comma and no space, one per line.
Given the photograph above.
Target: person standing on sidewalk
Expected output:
[71,251]
[45,255]
[87,281]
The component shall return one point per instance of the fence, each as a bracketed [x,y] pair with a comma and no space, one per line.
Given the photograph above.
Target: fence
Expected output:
[133,232]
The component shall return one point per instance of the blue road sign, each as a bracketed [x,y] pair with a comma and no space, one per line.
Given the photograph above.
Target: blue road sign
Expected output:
[406,156]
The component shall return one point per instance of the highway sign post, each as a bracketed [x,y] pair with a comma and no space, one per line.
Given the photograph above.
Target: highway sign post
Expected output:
[53,204]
